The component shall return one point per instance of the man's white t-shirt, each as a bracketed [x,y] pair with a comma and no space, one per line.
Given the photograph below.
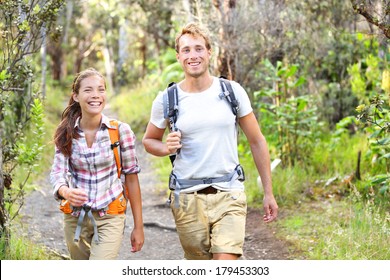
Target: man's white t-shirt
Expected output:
[208,134]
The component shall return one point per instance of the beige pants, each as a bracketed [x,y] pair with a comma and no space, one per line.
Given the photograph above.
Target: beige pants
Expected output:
[110,231]
[211,223]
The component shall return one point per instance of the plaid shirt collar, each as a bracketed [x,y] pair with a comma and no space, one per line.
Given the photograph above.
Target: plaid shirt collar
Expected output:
[105,121]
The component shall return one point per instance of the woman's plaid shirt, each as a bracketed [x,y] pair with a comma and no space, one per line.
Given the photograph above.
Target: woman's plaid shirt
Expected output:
[94,169]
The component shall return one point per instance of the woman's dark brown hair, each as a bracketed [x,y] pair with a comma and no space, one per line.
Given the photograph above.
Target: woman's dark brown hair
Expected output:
[65,132]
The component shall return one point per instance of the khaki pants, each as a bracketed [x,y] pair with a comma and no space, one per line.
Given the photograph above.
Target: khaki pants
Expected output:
[110,231]
[211,223]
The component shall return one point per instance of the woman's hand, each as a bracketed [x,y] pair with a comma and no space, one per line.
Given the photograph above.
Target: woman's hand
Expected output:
[137,240]
[76,197]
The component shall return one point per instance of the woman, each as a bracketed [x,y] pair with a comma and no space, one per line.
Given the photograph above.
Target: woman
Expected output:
[84,174]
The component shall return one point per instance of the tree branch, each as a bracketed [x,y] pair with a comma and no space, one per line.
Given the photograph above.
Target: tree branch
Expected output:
[361,9]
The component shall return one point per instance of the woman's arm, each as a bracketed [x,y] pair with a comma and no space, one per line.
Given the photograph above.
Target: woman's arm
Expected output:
[134,191]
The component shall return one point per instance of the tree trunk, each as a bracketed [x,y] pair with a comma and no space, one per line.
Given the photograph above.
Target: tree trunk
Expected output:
[122,52]
[55,52]
[69,13]
[107,65]
[227,37]
[56,49]
[187,5]
[2,210]
[43,61]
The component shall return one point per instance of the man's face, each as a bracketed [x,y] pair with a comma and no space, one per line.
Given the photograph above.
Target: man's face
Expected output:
[193,55]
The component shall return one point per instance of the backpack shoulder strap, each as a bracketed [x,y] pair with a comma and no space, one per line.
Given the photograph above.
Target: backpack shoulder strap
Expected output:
[114,137]
[228,94]
[171,108]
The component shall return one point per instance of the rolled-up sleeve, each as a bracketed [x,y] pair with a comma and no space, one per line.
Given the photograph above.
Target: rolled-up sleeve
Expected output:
[58,172]
[130,163]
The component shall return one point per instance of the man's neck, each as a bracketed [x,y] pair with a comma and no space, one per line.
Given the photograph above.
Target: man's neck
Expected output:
[194,85]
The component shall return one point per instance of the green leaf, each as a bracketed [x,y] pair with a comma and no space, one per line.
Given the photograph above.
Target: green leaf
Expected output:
[386,155]
[383,190]
[384,141]
[375,133]
[36,9]
[4,75]
[300,82]
[380,179]
[290,72]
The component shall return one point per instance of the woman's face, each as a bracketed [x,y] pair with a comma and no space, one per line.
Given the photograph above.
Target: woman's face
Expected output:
[91,95]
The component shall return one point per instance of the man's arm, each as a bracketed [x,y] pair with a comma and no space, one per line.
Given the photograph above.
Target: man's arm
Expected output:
[153,141]
[262,160]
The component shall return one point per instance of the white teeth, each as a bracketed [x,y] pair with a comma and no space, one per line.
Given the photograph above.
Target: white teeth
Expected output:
[94,103]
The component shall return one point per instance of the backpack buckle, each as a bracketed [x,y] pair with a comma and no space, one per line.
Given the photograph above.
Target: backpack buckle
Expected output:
[172,181]
[223,94]
[208,181]
[240,173]
[114,145]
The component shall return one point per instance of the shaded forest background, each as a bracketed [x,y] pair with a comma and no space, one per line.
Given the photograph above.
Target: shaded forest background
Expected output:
[317,73]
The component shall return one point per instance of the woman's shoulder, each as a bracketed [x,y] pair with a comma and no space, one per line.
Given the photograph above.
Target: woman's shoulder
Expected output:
[113,123]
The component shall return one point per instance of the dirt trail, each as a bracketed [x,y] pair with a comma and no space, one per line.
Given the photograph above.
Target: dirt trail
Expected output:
[42,222]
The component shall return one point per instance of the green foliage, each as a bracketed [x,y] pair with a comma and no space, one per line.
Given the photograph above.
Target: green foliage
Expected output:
[333,230]
[137,103]
[337,98]
[24,24]
[173,71]
[374,118]
[29,153]
[28,149]
[362,233]
[293,116]
[22,249]
[365,77]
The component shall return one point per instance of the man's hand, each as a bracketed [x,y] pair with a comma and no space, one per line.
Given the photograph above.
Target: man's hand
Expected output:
[270,208]
[174,141]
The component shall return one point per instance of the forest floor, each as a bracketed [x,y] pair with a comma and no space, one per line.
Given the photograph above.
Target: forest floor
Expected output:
[42,223]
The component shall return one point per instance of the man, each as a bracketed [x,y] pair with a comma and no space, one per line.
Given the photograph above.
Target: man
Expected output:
[209,213]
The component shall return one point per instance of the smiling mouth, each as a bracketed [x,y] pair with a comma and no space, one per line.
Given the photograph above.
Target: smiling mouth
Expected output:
[94,104]
[194,63]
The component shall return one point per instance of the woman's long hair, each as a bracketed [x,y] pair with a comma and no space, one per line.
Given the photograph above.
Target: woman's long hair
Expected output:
[65,131]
